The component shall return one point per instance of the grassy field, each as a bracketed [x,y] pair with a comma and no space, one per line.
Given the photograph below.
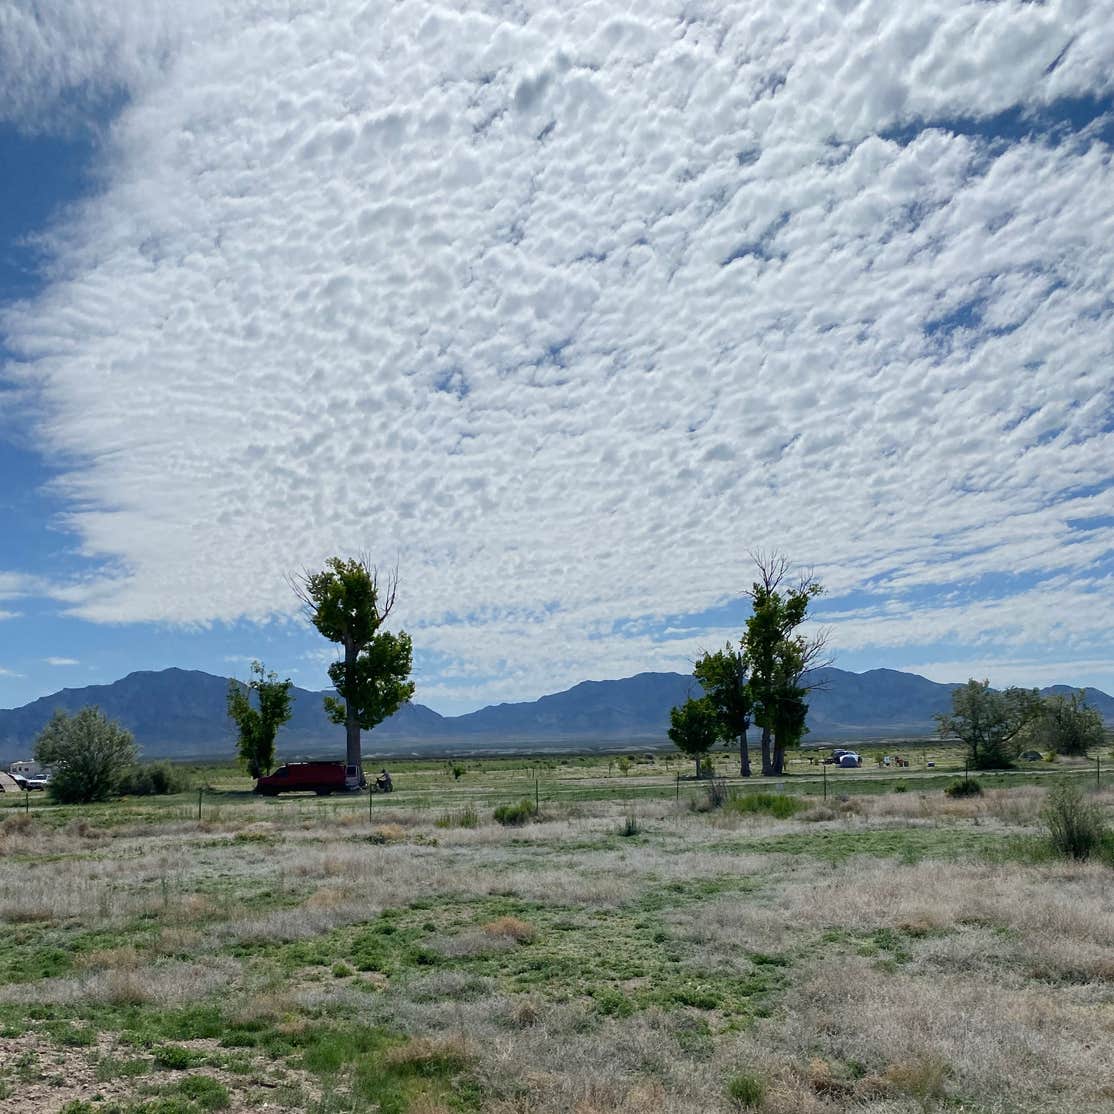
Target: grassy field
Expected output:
[887,949]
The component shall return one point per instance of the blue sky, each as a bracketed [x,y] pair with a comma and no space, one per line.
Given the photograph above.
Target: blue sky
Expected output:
[564,310]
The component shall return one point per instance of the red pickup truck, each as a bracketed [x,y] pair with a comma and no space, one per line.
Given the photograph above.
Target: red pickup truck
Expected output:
[322,778]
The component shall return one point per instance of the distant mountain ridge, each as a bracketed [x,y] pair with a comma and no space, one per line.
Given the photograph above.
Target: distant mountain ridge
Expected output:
[182,713]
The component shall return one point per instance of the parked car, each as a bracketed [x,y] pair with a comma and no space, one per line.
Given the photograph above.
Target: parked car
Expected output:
[36,783]
[321,778]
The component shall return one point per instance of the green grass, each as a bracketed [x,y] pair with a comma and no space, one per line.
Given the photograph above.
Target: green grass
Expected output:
[908,845]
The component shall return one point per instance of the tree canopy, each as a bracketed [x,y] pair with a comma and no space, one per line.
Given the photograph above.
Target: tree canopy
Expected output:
[694,728]
[1066,724]
[88,754]
[724,677]
[258,726]
[349,602]
[990,723]
[779,656]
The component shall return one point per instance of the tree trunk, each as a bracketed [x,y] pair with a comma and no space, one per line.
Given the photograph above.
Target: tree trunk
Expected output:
[767,758]
[744,755]
[351,719]
[778,763]
[698,767]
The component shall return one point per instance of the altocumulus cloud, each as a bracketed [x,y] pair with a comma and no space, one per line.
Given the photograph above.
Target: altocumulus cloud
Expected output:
[568,305]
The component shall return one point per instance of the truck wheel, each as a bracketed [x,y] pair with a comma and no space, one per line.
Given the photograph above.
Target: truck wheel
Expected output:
[324,792]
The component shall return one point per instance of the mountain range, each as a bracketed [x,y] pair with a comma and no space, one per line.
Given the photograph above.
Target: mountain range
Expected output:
[182,713]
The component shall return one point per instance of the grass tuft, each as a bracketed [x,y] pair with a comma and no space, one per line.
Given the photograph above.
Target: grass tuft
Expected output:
[746,1091]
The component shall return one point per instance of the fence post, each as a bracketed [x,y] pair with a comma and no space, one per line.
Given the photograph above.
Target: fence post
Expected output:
[824,769]
[537,797]
[200,790]
[370,799]
[677,793]
[1098,771]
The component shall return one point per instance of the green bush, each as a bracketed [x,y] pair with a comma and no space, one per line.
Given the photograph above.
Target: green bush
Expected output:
[154,779]
[207,1092]
[746,1090]
[1076,826]
[780,805]
[89,754]
[514,816]
[175,1057]
[968,787]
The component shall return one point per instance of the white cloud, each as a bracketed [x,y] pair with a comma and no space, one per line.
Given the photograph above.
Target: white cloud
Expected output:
[568,309]
[61,661]
[1002,672]
[8,672]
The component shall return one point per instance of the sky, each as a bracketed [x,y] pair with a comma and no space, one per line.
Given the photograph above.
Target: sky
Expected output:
[563,309]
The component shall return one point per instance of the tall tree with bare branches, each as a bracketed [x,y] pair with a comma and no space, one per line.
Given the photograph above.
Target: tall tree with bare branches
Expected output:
[779,656]
[349,602]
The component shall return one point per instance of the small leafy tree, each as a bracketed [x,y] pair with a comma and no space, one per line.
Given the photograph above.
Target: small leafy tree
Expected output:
[694,728]
[1066,725]
[724,678]
[349,604]
[88,753]
[990,723]
[258,726]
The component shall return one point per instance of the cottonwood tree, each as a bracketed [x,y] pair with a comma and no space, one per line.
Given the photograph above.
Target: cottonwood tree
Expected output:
[694,728]
[348,602]
[990,723]
[725,679]
[1066,725]
[88,753]
[258,726]
[779,656]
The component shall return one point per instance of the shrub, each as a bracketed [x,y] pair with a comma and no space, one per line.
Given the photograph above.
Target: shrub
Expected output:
[205,1092]
[717,792]
[1076,827]
[780,805]
[746,1090]
[901,787]
[630,826]
[175,1057]
[154,779]
[514,816]
[967,787]
[89,754]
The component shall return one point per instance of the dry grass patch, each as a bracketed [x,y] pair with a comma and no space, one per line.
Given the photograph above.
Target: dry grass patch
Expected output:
[511,928]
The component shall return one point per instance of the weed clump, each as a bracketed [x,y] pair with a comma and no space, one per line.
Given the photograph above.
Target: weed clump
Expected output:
[746,1091]
[174,1057]
[780,805]
[204,1091]
[630,827]
[1076,826]
[466,817]
[514,816]
[968,787]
